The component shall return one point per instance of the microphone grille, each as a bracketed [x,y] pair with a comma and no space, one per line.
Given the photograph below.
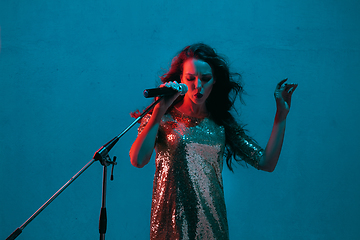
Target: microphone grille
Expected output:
[183,88]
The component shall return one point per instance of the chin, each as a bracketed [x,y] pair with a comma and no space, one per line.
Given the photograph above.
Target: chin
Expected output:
[199,100]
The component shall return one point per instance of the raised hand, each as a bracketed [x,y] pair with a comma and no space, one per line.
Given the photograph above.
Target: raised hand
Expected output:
[283,93]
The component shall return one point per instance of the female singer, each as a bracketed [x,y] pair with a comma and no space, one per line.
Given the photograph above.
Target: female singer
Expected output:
[192,134]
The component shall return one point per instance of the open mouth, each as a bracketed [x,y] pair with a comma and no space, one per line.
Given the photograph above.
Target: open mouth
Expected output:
[198,95]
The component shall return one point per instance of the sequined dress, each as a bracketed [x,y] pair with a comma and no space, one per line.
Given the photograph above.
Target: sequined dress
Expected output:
[188,196]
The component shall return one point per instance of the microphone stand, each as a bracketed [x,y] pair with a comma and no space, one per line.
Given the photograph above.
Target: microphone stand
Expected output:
[104,158]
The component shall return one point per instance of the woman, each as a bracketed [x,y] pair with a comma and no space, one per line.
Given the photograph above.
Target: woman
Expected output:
[191,135]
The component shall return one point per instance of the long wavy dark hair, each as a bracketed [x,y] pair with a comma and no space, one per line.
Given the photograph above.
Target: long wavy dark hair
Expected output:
[228,86]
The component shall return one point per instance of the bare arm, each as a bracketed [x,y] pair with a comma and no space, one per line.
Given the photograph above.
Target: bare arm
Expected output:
[283,95]
[143,146]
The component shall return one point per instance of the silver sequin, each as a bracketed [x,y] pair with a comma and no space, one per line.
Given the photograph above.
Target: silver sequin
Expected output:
[188,195]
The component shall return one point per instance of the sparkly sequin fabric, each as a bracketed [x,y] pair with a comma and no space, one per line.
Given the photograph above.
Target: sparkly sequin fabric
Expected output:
[188,196]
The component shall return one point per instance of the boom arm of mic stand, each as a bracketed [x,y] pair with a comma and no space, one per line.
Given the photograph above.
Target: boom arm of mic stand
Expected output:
[99,155]
[104,150]
[18,231]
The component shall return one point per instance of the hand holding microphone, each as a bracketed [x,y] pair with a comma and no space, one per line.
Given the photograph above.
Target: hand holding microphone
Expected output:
[166,95]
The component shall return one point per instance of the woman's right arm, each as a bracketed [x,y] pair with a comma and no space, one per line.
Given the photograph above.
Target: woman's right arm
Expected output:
[143,147]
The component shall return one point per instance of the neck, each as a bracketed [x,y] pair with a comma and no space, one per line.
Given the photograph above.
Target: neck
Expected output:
[187,107]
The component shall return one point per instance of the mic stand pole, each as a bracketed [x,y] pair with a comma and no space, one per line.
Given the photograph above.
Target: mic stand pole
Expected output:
[103,157]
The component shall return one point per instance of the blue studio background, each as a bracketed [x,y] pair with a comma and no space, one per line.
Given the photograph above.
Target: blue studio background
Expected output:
[71,71]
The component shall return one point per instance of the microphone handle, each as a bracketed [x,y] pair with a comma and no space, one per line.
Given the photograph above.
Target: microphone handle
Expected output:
[154,92]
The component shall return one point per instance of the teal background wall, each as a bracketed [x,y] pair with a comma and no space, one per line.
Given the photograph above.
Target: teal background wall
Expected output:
[71,71]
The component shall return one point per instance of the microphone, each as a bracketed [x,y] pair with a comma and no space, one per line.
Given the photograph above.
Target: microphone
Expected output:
[165,91]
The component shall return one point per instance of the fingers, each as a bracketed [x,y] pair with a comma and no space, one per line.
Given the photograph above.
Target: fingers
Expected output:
[174,85]
[290,88]
[278,86]
[166,101]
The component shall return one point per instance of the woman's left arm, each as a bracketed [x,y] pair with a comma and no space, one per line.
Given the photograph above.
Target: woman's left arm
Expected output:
[283,93]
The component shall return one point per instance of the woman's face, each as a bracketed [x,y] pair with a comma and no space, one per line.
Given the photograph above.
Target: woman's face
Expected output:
[198,76]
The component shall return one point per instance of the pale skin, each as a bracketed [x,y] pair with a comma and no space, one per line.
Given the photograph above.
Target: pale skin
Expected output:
[197,75]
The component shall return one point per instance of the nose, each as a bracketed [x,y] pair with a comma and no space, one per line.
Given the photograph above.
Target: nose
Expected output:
[198,83]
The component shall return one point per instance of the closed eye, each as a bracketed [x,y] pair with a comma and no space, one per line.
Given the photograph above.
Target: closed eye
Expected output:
[206,77]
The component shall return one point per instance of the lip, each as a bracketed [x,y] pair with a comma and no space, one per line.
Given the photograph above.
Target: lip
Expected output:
[198,95]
